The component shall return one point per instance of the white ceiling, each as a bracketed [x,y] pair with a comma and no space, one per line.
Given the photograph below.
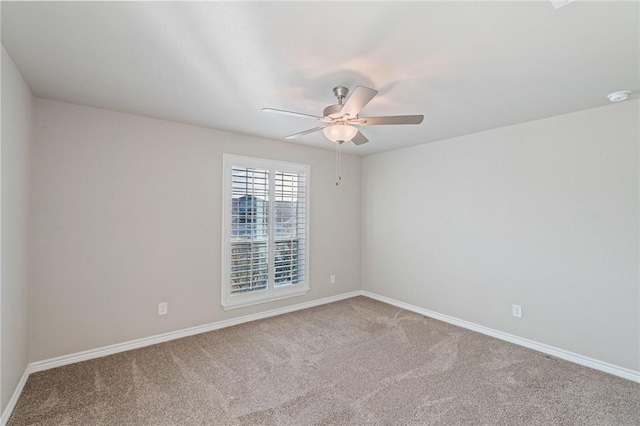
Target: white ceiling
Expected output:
[467,66]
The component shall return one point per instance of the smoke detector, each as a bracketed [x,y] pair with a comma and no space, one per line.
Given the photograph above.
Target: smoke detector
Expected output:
[620,96]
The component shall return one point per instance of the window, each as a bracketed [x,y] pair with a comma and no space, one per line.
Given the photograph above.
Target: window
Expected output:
[265,226]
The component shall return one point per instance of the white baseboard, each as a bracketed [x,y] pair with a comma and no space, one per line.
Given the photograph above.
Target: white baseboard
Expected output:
[14,398]
[160,338]
[540,347]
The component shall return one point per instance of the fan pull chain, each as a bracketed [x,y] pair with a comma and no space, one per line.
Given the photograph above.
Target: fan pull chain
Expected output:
[338,162]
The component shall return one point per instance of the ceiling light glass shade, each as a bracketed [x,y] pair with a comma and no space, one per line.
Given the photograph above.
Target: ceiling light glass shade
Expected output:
[340,132]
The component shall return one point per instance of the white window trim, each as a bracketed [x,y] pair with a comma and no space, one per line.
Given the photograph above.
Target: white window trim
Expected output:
[231,301]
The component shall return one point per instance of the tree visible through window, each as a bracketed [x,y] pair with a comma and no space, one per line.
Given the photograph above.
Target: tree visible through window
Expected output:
[266,222]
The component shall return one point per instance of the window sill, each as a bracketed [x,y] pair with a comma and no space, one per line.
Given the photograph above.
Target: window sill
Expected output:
[242,304]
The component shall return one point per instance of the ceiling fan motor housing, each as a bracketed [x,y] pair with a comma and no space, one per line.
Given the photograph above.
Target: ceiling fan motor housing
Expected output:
[333,111]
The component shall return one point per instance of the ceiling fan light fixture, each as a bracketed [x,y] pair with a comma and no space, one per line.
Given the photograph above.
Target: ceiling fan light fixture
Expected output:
[341,117]
[340,132]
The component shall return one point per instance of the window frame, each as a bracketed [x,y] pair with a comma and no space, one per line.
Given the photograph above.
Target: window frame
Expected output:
[272,292]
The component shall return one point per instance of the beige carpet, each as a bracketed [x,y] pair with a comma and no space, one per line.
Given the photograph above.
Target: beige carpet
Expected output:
[353,362]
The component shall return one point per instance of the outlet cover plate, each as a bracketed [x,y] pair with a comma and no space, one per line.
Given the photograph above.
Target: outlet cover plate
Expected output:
[163,308]
[516,310]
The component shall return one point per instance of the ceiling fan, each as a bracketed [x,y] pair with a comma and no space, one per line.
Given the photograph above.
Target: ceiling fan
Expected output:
[342,118]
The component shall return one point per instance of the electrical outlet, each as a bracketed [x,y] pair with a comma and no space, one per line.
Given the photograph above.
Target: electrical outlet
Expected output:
[516,310]
[163,308]
[332,278]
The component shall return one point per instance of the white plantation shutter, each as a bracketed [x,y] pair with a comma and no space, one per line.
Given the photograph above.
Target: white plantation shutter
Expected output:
[290,228]
[265,230]
[249,229]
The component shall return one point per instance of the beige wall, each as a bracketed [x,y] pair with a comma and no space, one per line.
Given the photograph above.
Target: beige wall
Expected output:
[17,112]
[542,214]
[127,213]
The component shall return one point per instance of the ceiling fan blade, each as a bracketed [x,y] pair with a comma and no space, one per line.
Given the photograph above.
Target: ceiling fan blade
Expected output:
[359,98]
[359,139]
[291,113]
[391,119]
[306,132]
